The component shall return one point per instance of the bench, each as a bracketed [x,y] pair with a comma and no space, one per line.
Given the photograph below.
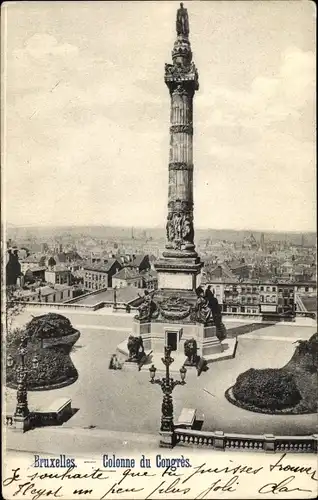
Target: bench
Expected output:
[57,412]
[187,418]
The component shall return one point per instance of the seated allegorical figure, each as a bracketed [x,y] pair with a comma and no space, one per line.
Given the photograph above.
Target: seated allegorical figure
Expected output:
[147,308]
[203,313]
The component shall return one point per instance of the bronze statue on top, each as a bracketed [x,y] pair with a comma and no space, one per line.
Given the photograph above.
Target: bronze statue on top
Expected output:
[182,24]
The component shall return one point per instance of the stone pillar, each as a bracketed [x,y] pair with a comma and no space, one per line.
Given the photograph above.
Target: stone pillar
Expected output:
[181,78]
[180,264]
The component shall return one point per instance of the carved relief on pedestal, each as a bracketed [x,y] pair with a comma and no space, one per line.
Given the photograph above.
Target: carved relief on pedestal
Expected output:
[180,232]
[175,308]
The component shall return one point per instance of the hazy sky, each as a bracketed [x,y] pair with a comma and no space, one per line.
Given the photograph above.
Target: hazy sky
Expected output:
[86,131]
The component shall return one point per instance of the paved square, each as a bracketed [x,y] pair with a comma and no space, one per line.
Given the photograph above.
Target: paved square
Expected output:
[126,401]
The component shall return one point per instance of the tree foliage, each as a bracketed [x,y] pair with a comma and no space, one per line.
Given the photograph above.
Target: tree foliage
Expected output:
[13,305]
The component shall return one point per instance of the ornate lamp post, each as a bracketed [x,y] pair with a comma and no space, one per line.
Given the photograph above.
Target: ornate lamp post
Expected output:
[167,385]
[22,412]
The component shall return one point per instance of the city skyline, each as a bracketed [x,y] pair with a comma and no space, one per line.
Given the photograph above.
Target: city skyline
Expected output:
[87,114]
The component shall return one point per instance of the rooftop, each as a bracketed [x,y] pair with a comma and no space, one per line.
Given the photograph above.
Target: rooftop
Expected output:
[102,267]
[127,273]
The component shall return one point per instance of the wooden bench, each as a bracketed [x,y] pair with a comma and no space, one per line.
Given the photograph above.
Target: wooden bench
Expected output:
[187,418]
[57,412]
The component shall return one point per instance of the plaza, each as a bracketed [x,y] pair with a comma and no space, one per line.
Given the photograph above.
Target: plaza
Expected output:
[125,402]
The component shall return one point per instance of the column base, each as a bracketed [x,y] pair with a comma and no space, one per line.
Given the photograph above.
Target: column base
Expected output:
[21,424]
[166,439]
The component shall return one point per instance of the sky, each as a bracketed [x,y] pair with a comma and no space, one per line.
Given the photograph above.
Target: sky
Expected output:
[86,113]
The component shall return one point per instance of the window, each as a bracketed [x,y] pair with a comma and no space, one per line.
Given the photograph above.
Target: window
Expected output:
[268,299]
[268,289]
[274,288]
[243,309]
[262,289]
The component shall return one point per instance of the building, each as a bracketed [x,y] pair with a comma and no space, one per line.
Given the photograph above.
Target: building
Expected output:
[58,293]
[13,267]
[58,275]
[266,298]
[35,274]
[127,277]
[240,269]
[150,279]
[98,276]
[139,262]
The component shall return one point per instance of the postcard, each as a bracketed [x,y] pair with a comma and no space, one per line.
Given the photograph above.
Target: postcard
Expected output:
[159,284]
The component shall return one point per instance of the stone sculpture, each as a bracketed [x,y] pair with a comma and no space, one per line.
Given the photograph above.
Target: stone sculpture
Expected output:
[190,350]
[202,312]
[136,348]
[147,309]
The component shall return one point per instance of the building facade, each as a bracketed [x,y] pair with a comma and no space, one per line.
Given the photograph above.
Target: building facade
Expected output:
[255,298]
[100,276]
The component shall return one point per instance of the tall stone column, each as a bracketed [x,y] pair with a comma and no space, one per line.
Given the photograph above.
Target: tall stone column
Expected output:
[180,264]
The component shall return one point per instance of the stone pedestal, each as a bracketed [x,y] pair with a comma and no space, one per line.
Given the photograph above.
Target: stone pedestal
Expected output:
[166,439]
[21,424]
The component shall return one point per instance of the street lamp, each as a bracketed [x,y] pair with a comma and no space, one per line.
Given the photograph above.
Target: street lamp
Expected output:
[167,385]
[22,409]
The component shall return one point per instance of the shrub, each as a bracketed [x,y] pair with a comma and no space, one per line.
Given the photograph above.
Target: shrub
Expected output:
[49,326]
[55,367]
[273,389]
[54,363]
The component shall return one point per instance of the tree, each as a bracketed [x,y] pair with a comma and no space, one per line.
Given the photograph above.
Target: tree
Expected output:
[13,305]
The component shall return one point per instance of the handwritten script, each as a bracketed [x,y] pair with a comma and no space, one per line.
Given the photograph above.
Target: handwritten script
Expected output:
[214,477]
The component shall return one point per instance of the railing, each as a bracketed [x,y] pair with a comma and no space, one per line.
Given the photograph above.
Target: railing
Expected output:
[64,305]
[87,294]
[249,442]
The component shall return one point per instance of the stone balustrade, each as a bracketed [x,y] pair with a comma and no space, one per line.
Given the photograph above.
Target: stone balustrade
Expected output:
[248,442]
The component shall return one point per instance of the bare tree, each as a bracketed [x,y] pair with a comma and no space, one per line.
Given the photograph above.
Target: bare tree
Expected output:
[13,305]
